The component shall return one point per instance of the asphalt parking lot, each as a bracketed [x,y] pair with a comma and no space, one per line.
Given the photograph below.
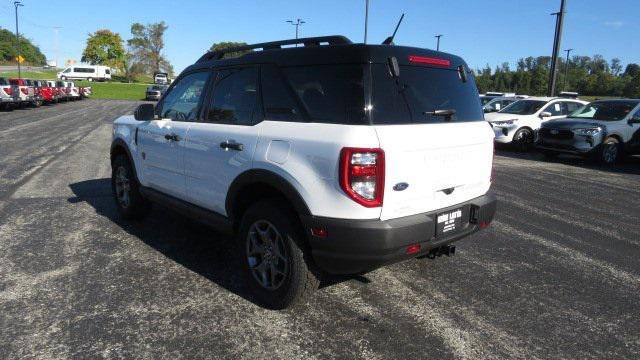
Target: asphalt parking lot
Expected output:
[557,275]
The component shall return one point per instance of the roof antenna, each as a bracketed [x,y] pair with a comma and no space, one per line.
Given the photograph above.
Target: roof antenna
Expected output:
[389,40]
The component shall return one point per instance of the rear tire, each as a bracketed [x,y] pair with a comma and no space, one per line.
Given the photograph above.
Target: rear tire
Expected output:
[611,151]
[523,140]
[279,271]
[126,190]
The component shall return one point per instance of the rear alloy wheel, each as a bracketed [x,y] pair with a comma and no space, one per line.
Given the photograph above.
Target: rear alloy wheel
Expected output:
[130,203]
[610,151]
[280,273]
[523,140]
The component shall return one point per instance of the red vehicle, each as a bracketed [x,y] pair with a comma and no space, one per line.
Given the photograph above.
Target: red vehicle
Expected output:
[47,93]
[63,91]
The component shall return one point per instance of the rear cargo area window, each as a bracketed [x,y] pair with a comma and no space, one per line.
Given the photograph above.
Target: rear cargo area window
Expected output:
[330,93]
[421,90]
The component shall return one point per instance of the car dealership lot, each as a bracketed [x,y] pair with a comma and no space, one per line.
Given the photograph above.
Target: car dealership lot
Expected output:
[557,274]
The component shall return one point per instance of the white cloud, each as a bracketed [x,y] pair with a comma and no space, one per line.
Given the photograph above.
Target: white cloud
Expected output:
[614,24]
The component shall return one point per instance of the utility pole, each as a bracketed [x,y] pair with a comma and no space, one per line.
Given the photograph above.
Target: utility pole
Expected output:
[366,20]
[17,4]
[56,29]
[297,23]
[556,47]
[438,44]
[566,70]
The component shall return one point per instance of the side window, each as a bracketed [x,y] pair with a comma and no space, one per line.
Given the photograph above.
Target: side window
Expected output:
[555,109]
[573,106]
[235,97]
[67,70]
[181,103]
[277,96]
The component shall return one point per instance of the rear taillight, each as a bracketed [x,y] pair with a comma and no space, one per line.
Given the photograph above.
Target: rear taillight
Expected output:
[8,90]
[25,91]
[362,175]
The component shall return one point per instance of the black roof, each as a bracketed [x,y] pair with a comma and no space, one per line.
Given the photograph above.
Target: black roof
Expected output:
[319,50]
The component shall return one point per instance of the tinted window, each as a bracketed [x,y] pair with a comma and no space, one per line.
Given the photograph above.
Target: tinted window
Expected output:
[420,90]
[235,97]
[523,107]
[107,71]
[277,96]
[330,93]
[181,103]
[573,106]
[556,109]
[605,110]
[3,81]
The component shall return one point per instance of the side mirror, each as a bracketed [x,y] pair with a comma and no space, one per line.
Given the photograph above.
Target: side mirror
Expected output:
[144,112]
[545,114]
[634,120]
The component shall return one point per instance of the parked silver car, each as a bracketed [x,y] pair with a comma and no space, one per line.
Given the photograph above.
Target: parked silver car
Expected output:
[154,92]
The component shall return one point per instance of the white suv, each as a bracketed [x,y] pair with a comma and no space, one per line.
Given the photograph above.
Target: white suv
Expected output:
[333,158]
[517,123]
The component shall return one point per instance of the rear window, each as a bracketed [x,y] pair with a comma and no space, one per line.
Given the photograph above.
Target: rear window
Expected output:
[418,92]
[330,93]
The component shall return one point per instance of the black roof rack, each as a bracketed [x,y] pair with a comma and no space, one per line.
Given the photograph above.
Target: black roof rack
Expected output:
[311,41]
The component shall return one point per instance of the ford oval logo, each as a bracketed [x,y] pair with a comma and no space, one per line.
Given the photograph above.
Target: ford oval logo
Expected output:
[400,186]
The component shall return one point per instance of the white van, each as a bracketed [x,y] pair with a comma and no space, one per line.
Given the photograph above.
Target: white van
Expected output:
[86,72]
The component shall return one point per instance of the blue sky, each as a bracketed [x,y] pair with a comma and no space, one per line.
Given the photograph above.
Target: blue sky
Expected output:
[481,31]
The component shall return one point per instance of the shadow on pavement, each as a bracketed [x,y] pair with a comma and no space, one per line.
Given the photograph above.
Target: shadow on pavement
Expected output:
[627,165]
[187,242]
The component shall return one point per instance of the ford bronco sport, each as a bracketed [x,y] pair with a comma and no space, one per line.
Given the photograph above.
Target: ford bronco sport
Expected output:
[331,157]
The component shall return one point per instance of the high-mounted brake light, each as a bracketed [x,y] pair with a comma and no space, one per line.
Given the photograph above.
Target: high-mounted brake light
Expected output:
[362,175]
[424,60]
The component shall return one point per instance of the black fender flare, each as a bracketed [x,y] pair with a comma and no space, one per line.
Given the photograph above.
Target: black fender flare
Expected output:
[121,144]
[266,177]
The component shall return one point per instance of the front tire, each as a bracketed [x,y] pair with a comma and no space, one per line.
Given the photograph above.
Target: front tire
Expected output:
[523,140]
[278,270]
[126,190]
[610,153]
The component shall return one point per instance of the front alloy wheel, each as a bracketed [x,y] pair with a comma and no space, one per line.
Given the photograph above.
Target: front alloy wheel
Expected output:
[523,139]
[610,151]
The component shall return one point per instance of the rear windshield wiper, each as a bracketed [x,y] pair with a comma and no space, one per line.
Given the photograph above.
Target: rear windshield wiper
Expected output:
[446,113]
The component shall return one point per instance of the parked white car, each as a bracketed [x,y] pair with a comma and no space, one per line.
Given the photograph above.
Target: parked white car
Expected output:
[73,90]
[605,129]
[311,169]
[86,72]
[517,123]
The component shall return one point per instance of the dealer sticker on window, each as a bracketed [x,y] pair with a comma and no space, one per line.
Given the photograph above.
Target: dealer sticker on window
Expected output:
[449,222]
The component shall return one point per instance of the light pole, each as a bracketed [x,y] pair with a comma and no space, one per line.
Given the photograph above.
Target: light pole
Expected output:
[556,47]
[17,4]
[566,71]
[438,44]
[297,23]
[366,20]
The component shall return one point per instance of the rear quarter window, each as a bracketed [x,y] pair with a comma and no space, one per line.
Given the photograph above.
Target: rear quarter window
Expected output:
[420,89]
[330,93]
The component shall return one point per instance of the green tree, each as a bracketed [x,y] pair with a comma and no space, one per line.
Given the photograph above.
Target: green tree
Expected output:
[146,47]
[229,44]
[104,48]
[28,50]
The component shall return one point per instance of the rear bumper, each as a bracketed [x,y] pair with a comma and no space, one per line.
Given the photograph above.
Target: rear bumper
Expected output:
[357,246]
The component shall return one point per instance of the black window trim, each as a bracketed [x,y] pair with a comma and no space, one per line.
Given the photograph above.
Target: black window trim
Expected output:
[210,90]
[160,102]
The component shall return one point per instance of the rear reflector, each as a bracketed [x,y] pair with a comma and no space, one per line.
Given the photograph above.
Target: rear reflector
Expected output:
[319,232]
[413,249]
[484,225]
[424,60]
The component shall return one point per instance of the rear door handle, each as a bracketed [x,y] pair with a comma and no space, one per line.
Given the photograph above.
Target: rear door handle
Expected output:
[231,145]
[172,137]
